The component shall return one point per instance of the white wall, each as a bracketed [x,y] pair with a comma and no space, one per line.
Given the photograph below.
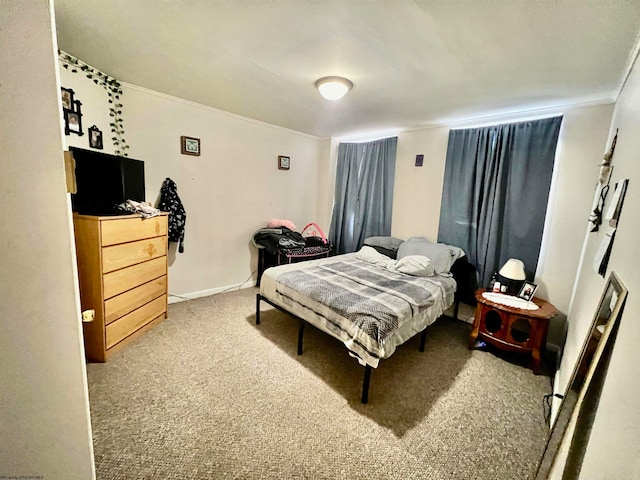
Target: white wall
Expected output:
[43,398]
[614,445]
[417,193]
[233,188]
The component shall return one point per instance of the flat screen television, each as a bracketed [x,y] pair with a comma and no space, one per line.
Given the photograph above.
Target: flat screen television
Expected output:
[105,181]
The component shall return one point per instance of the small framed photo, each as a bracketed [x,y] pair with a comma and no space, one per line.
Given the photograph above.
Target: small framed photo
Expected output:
[95,137]
[419,160]
[190,146]
[67,98]
[283,162]
[73,122]
[527,291]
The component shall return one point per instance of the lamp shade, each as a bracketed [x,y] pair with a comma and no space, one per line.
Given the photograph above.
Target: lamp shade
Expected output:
[333,88]
[513,269]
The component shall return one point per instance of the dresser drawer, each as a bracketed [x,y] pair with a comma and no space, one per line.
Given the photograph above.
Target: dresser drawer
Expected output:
[126,302]
[121,230]
[127,254]
[131,277]
[125,326]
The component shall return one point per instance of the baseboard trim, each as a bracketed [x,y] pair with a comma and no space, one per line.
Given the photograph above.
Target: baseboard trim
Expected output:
[206,293]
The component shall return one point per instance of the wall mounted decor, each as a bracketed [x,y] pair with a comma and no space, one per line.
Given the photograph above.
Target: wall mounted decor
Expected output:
[67,98]
[419,160]
[603,184]
[283,162]
[114,92]
[601,259]
[190,146]
[71,109]
[95,137]
[73,120]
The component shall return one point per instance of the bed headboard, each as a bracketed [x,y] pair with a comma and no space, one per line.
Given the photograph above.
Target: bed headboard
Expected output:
[465,275]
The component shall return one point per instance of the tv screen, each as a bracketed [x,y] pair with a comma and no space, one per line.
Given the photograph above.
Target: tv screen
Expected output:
[105,181]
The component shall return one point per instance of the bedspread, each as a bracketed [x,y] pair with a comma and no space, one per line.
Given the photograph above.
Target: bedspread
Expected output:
[370,308]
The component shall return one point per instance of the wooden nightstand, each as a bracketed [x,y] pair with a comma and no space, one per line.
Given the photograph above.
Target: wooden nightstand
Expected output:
[511,328]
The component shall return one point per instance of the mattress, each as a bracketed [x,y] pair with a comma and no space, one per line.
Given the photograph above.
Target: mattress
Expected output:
[368,307]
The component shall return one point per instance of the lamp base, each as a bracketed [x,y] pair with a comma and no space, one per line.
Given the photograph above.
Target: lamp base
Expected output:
[513,286]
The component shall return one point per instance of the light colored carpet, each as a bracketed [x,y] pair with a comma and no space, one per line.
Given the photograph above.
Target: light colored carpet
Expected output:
[207,394]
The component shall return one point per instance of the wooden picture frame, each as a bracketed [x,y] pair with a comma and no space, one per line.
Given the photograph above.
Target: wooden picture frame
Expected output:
[283,162]
[527,291]
[190,146]
[95,137]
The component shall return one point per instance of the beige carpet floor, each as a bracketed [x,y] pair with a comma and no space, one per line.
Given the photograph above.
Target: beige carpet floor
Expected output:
[207,394]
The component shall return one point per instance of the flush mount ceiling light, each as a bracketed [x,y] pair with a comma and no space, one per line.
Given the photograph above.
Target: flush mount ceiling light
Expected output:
[333,88]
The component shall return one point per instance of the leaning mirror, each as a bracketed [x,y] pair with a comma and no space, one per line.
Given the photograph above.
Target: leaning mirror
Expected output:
[576,412]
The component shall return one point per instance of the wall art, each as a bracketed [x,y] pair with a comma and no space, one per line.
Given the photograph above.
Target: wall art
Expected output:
[95,137]
[190,146]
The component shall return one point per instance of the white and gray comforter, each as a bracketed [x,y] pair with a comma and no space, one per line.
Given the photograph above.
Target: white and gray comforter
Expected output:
[366,304]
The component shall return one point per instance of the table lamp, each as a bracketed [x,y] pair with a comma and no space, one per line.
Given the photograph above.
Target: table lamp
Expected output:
[512,275]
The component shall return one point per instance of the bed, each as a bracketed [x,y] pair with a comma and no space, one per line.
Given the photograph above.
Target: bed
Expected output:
[370,301]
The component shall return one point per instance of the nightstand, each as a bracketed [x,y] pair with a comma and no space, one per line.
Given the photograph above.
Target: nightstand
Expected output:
[512,329]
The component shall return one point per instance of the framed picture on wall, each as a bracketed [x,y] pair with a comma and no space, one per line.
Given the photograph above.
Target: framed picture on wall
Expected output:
[73,122]
[95,137]
[190,146]
[67,98]
[283,162]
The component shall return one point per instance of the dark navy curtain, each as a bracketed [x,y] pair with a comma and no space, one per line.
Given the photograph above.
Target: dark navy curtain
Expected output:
[364,193]
[496,189]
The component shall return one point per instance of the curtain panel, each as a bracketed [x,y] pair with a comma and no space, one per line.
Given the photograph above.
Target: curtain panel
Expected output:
[495,192]
[363,193]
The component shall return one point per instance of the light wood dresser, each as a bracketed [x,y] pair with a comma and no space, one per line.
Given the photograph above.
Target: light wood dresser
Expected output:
[122,270]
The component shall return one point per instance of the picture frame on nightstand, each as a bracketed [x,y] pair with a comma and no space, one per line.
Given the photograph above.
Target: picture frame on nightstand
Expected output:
[527,291]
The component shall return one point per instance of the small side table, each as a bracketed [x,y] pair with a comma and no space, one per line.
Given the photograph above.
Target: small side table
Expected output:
[510,328]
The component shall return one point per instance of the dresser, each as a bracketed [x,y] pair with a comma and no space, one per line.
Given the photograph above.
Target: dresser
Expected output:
[122,272]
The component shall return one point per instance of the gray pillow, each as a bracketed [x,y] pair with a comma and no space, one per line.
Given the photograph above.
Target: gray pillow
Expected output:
[390,243]
[386,245]
[441,255]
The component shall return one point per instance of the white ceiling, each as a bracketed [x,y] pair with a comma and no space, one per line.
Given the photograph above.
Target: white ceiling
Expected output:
[412,63]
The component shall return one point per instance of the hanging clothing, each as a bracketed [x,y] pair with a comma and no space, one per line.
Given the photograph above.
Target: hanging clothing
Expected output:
[170,202]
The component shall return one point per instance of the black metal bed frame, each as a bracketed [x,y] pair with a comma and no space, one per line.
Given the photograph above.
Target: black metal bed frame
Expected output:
[367,369]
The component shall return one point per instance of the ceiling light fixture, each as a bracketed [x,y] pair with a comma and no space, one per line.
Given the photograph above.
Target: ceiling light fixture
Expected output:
[333,88]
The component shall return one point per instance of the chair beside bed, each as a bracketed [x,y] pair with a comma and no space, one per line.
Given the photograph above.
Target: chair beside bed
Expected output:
[372,300]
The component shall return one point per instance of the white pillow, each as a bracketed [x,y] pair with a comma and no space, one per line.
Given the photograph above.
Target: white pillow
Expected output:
[416,265]
[371,255]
